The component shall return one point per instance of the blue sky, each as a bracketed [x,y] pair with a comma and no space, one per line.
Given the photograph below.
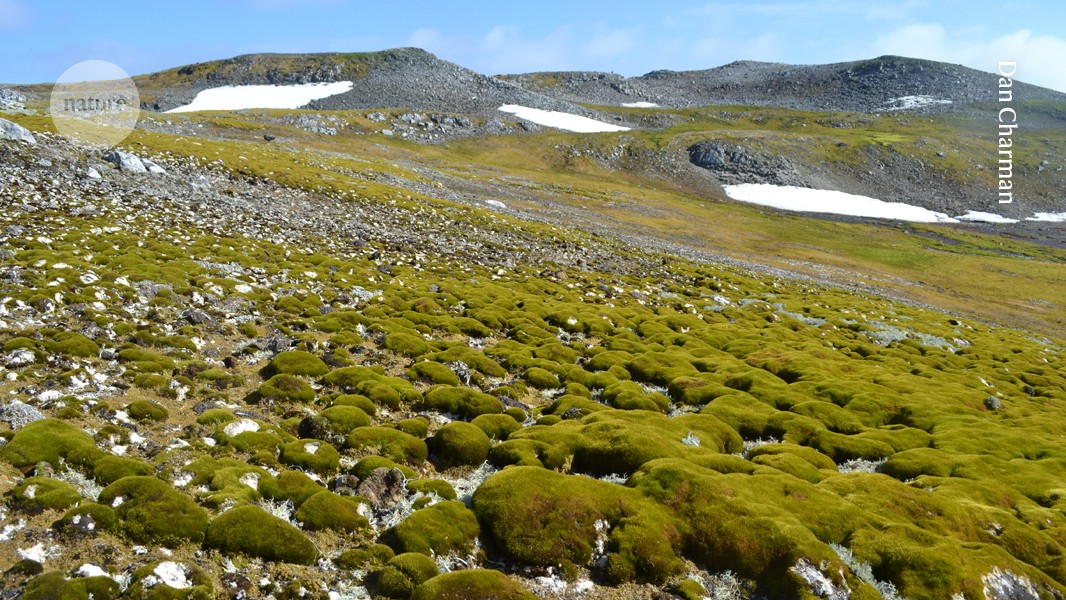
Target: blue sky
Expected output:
[39,39]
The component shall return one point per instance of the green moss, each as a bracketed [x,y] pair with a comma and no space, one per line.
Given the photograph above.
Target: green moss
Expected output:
[497,427]
[399,577]
[418,426]
[199,581]
[360,402]
[296,362]
[326,510]
[286,388]
[110,469]
[146,410]
[104,518]
[541,378]
[391,443]
[317,456]
[70,343]
[368,465]
[407,344]
[432,486]
[49,440]
[252,531]
[433,372]
[215,416]
[442,528]
[56,586]
[36,494]
[459,443]
[151,381]
[19,343]
[474,584]
[362,558]
[146,361]
[293,486]
[465,402]
[336,422]
[153,512]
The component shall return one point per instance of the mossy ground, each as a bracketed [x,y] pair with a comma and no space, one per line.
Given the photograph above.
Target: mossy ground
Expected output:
[738,420]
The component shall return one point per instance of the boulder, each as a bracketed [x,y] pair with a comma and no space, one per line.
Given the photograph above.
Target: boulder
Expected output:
[15,132]
[126,161]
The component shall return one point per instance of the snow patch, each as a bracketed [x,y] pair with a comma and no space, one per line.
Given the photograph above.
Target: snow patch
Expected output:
[909,102]
[830,201]
[560,120]
[641,104]
[983,217]
[1052,217]
[238,97]
[91,570]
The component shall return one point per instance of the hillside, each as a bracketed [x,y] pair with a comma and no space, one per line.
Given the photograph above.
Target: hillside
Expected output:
[874,85]
[430,351]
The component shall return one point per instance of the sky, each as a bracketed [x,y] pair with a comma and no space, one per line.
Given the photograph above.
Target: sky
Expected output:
[40,39]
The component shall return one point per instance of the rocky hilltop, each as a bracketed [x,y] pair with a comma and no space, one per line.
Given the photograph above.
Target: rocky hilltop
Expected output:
[404,77]
[887,83]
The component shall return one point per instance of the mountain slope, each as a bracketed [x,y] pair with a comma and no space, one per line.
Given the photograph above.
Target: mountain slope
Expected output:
[402,78]
[873,85]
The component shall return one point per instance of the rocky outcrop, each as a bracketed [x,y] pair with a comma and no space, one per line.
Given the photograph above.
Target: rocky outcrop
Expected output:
[735,164]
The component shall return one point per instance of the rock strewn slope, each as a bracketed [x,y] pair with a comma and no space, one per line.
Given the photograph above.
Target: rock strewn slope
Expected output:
[858,86]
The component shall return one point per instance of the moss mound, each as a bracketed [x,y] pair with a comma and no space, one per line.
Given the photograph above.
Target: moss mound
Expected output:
[459,443]
[475,584]
[391,443]
[252,531]
[146,410]
[403,573]
[55,585]
[296,362]
[50,440]
[465,402]
[320,457]
[153,512]
[37,494]
[285,388]
[441,528]
[326,510]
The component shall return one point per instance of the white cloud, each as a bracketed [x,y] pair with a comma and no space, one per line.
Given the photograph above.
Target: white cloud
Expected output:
[1038,56]
[13,14]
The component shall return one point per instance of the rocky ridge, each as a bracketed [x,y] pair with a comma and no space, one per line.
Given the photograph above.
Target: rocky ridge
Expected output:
[870,86]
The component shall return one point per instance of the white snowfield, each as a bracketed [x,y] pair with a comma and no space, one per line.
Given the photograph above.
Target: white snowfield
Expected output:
[560,120]
[908,102]
[830,201]
[983,217]
[1052,217]
[640,104]
[839,203]
[239,97]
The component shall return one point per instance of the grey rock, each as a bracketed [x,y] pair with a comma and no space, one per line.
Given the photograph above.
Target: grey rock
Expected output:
[126,161]
[20,358]
[92,173]
[152,167]
[383,487]
[15,132]
[740,164]
[19,414]
[11,100]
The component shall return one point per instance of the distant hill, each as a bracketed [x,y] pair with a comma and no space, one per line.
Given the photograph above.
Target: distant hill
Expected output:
[398,78]
[873,85]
